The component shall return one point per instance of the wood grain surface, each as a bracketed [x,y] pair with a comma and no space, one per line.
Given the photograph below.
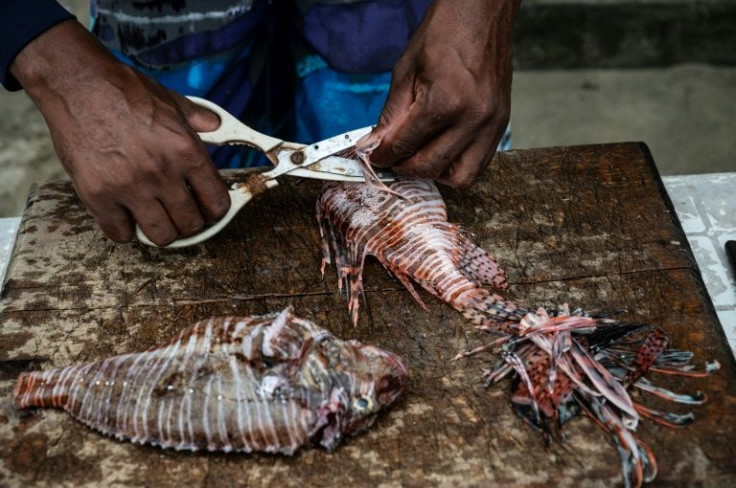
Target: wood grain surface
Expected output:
[588,225]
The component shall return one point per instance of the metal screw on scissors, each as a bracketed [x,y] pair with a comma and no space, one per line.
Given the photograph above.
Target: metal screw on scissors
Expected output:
[317,161]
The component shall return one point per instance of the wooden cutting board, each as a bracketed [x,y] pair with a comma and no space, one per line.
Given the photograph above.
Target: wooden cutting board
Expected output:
[589,225]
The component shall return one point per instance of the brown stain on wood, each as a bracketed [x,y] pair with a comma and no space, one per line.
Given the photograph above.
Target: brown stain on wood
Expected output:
[587,225]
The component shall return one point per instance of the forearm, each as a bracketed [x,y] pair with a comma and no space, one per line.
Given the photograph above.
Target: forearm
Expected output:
[22,21]
[487,22]
[55,64]
[493,13]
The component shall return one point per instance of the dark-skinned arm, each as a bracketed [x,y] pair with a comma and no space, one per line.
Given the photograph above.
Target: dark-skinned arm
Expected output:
[450,96]
[128,144]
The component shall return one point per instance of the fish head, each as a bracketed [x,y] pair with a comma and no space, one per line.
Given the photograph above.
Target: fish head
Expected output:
[375,382]
[364,380]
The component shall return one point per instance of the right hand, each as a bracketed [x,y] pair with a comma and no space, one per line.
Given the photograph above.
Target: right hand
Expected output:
[128,144]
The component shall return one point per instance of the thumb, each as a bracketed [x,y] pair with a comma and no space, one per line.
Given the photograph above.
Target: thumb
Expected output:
[369,142]
[199,118]
[393,116]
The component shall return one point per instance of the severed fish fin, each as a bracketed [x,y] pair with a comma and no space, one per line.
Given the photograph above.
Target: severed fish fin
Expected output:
[654,345]
[605,383]
[669,419]
[689,371]
[609,331]
[698,398]
[529,395]
[477,264]
[281,341]
[638,464]
[487,308]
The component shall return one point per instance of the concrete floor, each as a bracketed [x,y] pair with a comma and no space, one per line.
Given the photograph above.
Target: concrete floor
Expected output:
[686,114]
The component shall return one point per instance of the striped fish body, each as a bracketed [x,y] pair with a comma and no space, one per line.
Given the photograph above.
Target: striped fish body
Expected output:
[407,230]
[269,384]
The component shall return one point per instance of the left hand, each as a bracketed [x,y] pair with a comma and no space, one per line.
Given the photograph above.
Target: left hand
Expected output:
[450,96]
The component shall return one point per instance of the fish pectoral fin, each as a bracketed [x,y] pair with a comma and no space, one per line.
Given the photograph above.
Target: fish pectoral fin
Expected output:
[406,281]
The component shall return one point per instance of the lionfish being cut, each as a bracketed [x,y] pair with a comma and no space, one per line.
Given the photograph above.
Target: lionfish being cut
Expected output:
[563,362]
[272,384]
[407,230]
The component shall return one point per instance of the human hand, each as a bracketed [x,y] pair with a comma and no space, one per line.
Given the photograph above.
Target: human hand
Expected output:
[450,96]
[128,144]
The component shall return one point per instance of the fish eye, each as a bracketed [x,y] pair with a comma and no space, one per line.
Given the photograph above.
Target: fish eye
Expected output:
[363,403]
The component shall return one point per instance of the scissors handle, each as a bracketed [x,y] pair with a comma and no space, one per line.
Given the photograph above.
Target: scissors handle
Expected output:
[239,196]
[233,131]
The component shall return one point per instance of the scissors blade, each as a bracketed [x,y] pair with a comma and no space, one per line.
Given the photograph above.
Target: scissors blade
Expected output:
[320,150]
[335,168]
[290,160]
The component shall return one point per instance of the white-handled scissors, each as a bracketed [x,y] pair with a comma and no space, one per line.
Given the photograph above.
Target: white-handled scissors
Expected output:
[319,161]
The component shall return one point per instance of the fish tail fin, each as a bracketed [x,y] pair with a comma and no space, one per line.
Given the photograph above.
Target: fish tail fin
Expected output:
[40,389]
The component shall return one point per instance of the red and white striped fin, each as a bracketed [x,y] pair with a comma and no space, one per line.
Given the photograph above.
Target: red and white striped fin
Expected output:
[478,265]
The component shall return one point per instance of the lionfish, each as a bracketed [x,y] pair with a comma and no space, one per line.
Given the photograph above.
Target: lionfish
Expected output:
[564,362]
[407,230]
[271,383]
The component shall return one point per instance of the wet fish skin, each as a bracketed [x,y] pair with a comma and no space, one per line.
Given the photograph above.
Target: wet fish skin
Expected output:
[251,384]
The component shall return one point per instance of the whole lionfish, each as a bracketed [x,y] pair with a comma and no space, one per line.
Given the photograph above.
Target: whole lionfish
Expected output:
[565,362]
[271,383]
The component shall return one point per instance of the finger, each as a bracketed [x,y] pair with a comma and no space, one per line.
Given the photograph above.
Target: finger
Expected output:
[115,221]
[199,118]
[437,156]
[182,208]
[209,191]
[469,166]
[431,111]
[196,169]
[395,109]
[155,222]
